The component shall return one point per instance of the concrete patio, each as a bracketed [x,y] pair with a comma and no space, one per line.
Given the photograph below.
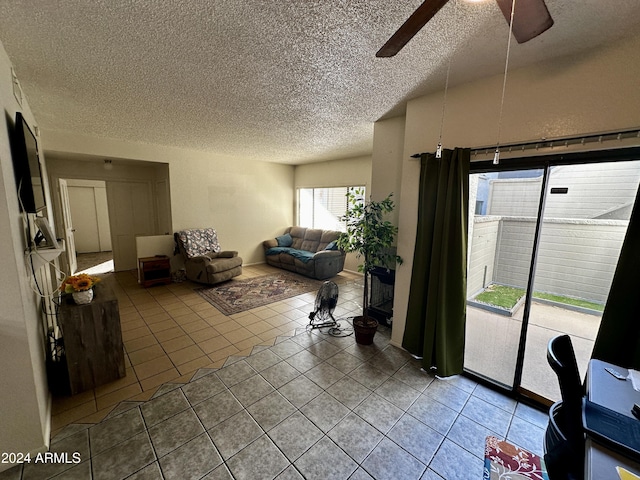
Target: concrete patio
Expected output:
[492,343]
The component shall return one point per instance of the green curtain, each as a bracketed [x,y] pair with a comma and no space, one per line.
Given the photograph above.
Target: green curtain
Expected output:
[436,312]
[618,339]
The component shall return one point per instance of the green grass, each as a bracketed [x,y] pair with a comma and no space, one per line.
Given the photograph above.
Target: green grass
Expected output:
[576,302]
[500,296]
[507,297]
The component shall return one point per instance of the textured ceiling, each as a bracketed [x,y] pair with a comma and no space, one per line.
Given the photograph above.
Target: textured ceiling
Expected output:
[280,81]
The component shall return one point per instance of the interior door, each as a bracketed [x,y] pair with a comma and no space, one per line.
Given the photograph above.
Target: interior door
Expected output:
[67,224]
[84,217]
[131,213]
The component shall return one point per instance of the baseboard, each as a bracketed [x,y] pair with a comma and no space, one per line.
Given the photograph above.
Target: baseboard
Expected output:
[253,264]
[352,271]
[265,263]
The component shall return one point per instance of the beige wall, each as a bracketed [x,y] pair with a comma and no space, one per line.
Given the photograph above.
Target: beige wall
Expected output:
[337,173]
[388,150]
[247,202]
[24,397]
[596,91]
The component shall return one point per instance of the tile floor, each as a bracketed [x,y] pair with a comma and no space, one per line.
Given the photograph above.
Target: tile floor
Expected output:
[303,406]
[169,332]
[94,263]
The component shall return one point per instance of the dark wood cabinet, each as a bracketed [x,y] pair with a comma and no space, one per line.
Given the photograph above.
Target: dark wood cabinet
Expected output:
[92,340]
[154,270]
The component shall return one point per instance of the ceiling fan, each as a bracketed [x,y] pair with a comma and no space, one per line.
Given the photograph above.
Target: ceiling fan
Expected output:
[530,19]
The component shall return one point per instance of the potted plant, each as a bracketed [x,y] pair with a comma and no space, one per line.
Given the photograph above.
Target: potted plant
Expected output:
[80,287]
[371,237]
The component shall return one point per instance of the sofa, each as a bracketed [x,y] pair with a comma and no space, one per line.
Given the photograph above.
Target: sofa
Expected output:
[204,259]
[307,251]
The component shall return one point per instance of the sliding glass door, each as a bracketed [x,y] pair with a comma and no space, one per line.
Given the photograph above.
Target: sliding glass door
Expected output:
[585,219]
[501,239]
[543,247]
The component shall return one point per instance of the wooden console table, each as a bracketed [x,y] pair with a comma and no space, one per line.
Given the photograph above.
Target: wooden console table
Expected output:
[92,340]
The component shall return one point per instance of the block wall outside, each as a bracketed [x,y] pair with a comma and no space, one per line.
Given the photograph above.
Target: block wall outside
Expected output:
[513,259]
[604,190]
[577,258]
[483,251]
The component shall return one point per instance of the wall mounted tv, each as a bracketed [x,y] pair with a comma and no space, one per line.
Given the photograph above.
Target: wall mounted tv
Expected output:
[26,165]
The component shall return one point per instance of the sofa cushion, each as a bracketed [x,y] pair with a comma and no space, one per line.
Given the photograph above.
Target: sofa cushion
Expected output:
[311,240]
[224,254]
[328,236]
[301,255]
[284,240]
[297,233]
[277,250]
[223,264]
[332,246]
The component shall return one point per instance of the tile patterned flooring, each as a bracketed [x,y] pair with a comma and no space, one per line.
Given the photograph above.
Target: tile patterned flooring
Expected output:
[170,332]
[290,407]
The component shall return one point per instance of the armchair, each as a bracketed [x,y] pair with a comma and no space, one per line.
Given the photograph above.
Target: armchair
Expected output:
[204,259]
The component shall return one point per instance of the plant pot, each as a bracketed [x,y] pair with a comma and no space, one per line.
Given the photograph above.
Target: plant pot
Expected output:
[84,297]
[365,329]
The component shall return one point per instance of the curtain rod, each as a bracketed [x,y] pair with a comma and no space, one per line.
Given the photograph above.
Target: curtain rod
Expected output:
[550,143]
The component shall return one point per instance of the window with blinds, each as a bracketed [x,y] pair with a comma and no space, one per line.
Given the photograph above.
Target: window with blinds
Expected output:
[323,207]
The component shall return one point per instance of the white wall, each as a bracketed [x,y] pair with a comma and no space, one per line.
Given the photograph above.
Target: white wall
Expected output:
[24,397]
[596,91]
[337,173]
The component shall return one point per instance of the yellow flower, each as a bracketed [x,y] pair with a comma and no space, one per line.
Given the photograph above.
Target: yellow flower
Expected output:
[78,283]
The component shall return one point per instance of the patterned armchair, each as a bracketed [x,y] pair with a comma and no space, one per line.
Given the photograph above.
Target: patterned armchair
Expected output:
[204,259]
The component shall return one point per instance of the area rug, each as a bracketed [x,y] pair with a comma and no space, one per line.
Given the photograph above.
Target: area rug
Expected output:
[237,296]
[503,461]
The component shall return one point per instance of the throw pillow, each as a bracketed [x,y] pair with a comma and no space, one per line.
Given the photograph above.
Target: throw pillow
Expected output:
[332,246]
[285,240]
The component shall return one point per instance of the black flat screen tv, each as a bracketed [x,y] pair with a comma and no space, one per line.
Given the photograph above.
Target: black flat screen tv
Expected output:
[26,165]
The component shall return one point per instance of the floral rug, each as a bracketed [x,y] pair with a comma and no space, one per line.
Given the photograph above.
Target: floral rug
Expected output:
[503,461]
[237,296]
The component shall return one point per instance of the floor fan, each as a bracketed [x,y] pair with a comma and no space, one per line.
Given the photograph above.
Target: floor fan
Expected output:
[326,301]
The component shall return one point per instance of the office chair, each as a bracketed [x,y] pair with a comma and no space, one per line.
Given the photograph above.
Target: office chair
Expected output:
[564,437]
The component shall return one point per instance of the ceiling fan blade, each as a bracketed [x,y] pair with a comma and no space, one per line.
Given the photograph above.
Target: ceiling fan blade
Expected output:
[414,23]
[530,18]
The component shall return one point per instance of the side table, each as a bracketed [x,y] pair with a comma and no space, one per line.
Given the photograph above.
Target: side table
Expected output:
[154,270]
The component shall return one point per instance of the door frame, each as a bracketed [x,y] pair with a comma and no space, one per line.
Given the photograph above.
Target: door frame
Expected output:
[91,167]
[67,226]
